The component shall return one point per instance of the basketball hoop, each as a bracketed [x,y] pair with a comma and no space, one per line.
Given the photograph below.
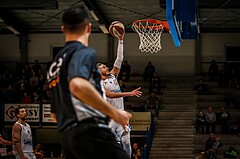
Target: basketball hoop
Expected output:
[150,31]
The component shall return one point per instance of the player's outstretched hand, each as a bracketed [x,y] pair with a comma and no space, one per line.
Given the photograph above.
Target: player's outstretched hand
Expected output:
[136,92]
[122,117]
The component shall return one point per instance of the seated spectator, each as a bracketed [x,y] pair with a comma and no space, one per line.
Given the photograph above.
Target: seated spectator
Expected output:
[201,88]
[148,71]
[7,77]
[38,152]
[155,83]
[210,120]
[216,145]
[35,97]
[34,81]
[232,78]
[138,154]
[223,118]
[36,67]
[213,70]
[201,121]
[135,147]
[24,74]
[125,71]
[11,95]
[223,77]
[152,104]
[46,96]
[26,98]
[212,145]
[22,85]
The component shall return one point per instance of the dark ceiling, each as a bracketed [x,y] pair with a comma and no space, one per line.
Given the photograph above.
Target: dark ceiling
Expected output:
[44,16]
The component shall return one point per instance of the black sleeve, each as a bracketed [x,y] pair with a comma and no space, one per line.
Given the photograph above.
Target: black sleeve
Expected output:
[82,63]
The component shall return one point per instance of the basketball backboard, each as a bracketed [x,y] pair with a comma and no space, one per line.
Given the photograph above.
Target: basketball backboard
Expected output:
[182,17]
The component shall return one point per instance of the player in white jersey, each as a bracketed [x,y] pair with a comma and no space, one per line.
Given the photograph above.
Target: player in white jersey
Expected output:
[115,96]
[22,136]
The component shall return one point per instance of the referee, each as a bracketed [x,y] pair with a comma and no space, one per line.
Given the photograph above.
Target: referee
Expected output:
[77,97]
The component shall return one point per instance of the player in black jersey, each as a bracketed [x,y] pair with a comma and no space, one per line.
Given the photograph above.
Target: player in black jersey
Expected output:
[77,96]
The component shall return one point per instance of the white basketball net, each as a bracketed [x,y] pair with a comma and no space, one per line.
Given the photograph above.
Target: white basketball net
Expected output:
[150,36]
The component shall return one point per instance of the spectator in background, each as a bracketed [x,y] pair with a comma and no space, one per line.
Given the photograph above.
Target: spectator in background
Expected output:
[213,70]
[24,74]
[27,72]
[209,146]
[152,104]
[38,152]
[34,81]
[148,71]
[155,83]
[210,120]
[35,97]
[216,145]
[223,77]
[232,78]
[224,119]
[26,98]
[138,154]
[125,71]
[46,96]
[41,81]
[7,77]
[36,67]
[201,121]
[27,68]
[11,95]
[212,145]
[135,147]
[201,88]
[22,85]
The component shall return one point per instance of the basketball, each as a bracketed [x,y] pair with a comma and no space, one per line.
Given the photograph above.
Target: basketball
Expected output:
[116,29]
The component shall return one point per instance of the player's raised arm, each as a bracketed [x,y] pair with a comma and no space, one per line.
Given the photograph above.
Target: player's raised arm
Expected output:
[119,59]
[117,30]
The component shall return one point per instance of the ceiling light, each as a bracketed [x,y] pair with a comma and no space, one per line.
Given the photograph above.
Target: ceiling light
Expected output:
[103,28]
[94,15]
[13,30]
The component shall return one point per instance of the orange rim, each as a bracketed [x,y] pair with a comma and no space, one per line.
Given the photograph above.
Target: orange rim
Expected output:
[152,21]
